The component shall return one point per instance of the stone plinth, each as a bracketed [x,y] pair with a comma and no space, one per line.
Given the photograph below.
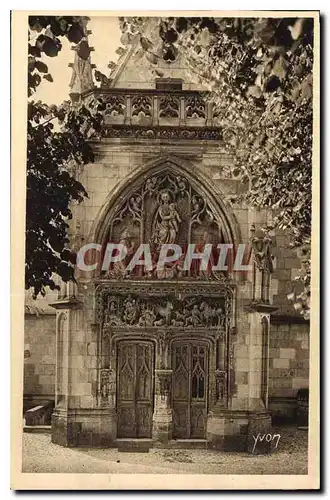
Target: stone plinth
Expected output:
[259,436]
[92,427]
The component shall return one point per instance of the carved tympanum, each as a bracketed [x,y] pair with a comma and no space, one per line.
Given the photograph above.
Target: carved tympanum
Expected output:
[165,209]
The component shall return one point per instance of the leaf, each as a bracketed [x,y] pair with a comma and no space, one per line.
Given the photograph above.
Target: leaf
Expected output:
[272,83]
[34,51]
[75,33]
[254,91]
[48,77]
[50,47]
[280,68]
[42,67]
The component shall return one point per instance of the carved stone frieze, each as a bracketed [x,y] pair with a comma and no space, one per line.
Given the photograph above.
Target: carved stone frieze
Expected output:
[154,304]
[191,312]
[184,133]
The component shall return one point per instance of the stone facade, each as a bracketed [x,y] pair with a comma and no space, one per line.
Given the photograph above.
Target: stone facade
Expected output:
[39,349]
[172,357]
[39,362]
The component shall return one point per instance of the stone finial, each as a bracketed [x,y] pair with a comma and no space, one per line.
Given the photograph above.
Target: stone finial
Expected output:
[82,75]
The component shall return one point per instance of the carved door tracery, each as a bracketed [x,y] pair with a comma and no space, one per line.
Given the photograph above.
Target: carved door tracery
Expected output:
[135,380]
[190,386]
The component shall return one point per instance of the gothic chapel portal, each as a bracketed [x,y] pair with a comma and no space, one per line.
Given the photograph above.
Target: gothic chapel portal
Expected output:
[161,356]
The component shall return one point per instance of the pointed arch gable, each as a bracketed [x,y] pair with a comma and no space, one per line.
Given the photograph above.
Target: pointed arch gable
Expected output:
[175,167]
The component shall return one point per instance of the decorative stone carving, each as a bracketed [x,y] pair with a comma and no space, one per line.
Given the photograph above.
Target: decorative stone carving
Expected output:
[192,312]
[166,300]
[184,133]
[141,105]
[165,209]
[164,379]
[163,339]
[262,254]
[107,387]
[115,105]
[169,106]
[195,107]
[118,270]
[167,220]
[82,77]
[220,387]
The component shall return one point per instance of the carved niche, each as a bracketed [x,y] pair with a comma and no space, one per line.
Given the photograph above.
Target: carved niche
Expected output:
[165,209]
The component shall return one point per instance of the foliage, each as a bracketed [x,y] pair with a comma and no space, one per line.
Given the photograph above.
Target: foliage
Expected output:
[259,74]
[57,142]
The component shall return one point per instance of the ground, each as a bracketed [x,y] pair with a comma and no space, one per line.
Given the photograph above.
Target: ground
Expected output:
[290,457]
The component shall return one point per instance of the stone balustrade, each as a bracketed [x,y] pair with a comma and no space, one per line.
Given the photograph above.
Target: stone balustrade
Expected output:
[156,113]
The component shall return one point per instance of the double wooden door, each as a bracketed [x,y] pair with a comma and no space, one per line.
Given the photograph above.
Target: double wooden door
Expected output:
[189,389]
[135,389]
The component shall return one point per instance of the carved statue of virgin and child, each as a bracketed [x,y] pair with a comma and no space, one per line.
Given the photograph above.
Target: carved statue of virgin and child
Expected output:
[167,220]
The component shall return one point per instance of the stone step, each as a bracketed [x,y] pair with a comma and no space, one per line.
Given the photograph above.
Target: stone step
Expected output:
[131,445]
[189,444]
[38,429]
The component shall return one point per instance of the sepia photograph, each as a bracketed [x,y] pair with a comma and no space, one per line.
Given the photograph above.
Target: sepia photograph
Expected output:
[166,291]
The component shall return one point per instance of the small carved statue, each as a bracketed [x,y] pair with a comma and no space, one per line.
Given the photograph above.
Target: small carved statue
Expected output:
[262,254]
[147,317]
[151,185]
[167,221]
[119,268]
[131,310]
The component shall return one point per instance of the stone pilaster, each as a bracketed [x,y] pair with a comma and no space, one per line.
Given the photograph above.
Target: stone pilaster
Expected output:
[258,376]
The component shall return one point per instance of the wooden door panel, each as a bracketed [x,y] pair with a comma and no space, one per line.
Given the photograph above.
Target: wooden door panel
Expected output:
[135,388]
[189,395]
[180,419]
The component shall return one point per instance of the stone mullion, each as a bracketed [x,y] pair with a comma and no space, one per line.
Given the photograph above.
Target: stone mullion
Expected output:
[128,117]
[209,113]
[155,110]
[182,111]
